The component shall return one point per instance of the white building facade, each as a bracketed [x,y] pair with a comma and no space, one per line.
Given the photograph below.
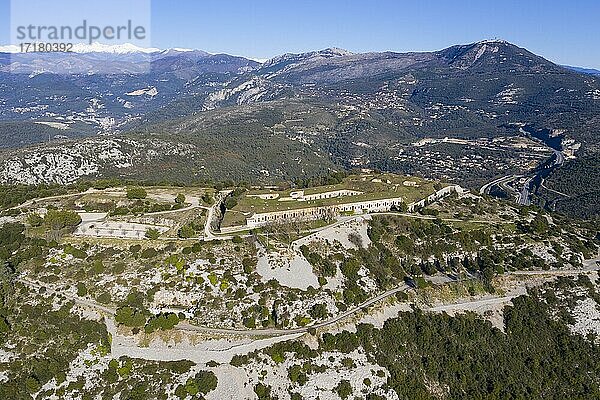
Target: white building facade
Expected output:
[361,207]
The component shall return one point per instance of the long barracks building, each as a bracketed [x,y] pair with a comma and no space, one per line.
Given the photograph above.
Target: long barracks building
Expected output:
[362,207]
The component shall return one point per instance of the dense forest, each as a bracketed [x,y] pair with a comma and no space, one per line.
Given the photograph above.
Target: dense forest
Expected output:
[579,180]
[432,356]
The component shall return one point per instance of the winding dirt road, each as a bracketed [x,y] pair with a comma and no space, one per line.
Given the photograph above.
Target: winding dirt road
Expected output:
[592,267]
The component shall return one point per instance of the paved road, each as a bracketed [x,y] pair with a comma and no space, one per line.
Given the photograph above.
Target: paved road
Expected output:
[485,189]
[64,196]
[208,235]
[589,266]
[524,199]
[343,220]
[194,203]
[75,299]
[282,332]
[524,196]
[554,191]
[560,158]
[433,218]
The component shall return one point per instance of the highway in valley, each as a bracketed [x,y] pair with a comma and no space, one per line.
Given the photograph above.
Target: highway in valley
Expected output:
[523,197]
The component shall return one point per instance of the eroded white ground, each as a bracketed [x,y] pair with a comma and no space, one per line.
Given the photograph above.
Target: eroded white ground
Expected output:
[341,233]
[288,267]
[291,269]
[353,367]
[587,318]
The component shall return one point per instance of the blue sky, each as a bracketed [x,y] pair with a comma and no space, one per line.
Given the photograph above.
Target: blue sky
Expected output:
[566,32]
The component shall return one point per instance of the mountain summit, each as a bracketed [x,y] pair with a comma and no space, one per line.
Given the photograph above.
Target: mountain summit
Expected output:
[313,56]
[497,54]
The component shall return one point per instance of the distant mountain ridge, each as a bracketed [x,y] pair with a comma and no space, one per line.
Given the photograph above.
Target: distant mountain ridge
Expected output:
[96,47]
[323,109]
[590,71]
[127,84]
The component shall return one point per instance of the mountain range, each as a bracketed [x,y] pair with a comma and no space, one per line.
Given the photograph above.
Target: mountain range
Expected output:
[590,71]
[189,115]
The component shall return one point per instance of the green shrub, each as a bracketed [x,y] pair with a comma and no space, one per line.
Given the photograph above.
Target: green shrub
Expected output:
[163,321]
[149,253]
[104,298]
[230,203]
[81,289]
[343,389]
[262,391]
[249,322]
[35,220]
[4,326]
[297,375]
[248,265]
[130,317]
[136,193]
[75,252]
[98,267]
[319,311]
[152,234]
[207,199]
[58,220]
[237,239]
[207,381]
[186,231]
[197,247]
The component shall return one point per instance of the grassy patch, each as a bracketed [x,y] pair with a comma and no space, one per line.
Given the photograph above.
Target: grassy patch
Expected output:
[372,188]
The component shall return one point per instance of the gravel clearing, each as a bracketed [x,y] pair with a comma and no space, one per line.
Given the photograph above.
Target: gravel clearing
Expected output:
[290,269]
[340,233]
[232,384]
[186,346]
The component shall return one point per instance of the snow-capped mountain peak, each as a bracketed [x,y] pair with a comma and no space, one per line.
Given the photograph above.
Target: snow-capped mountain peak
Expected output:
[176,51]
[336,51]
[10,49]
[125,48]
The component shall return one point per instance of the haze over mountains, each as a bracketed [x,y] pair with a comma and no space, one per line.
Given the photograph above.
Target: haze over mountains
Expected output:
[293,116]
[590,71]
